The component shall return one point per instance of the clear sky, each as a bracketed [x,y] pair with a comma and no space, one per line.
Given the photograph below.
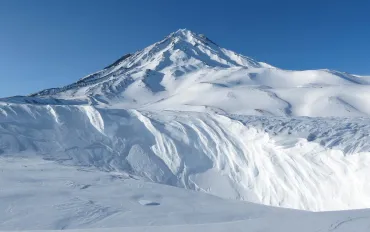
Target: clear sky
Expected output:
[50,43]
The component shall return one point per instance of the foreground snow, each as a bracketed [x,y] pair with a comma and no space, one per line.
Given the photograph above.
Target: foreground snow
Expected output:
[42,195]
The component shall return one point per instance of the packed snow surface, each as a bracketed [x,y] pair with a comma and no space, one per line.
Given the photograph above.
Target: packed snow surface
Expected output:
[109,150]
[41,195]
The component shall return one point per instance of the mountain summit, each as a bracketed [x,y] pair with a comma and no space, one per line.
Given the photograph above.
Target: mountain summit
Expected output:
[184,48]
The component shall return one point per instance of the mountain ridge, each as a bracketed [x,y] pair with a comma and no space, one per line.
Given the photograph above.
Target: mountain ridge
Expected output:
[169,73]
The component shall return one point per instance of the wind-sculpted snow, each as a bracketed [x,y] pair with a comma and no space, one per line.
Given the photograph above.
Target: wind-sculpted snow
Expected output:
[314,164]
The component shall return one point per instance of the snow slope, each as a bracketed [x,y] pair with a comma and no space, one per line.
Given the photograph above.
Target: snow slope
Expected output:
[185,112]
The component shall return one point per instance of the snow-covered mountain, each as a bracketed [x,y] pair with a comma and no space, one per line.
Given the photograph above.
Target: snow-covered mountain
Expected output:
[187,113]
[189,72]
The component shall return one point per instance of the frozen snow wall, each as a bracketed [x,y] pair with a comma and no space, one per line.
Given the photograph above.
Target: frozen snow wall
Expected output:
[313,164]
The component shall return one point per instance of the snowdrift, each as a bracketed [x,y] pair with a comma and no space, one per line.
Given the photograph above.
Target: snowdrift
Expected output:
[303,163]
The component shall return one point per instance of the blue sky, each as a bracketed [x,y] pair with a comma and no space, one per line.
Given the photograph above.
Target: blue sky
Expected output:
[50,43]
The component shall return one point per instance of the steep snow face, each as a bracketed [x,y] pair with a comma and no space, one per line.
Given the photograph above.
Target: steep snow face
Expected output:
[301,163]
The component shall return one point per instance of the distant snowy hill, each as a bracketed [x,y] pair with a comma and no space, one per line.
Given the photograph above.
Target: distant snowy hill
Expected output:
[187,113]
